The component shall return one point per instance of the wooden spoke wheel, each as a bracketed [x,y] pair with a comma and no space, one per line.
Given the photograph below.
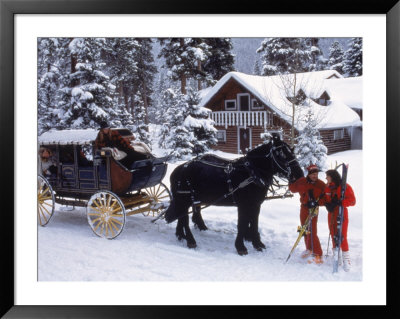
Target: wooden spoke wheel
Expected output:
[45,201]
[159,199]
[106,214]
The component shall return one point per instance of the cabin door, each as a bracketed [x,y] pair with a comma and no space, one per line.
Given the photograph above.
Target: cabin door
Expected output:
[244,102]
[244,140]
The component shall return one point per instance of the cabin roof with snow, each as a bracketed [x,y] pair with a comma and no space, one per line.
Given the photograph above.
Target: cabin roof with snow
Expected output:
[347,90]
[270,90]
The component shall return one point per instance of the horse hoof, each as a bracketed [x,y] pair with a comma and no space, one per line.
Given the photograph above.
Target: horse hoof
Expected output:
[259,246]
[201,228]
[192,245]
[242,252]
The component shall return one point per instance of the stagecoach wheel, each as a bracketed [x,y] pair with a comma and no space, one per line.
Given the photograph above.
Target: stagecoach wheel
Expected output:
[45,201]
[160,197]
[106,214]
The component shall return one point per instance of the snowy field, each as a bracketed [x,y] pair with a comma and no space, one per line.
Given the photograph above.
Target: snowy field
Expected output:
[68,250]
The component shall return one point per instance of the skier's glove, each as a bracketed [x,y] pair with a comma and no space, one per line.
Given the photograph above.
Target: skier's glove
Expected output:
[312,204]
[330,206]
[336,201]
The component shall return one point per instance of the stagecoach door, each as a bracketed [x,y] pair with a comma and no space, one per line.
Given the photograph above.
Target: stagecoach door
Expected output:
[244,139]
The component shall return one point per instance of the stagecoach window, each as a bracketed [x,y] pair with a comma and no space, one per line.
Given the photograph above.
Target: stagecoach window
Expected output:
[67,154]
[87,151]
[230,104]
[221,136]
[338,134]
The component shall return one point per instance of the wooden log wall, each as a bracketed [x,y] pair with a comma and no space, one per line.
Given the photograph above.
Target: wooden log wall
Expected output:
[335,146]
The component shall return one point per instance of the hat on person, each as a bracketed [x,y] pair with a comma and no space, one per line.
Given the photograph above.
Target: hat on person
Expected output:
[104,124]
[312,169]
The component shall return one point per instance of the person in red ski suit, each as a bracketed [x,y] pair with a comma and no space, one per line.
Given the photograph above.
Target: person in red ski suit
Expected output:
[332,204]
[311,191]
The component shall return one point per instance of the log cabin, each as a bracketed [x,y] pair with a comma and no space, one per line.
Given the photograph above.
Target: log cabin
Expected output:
[245,106]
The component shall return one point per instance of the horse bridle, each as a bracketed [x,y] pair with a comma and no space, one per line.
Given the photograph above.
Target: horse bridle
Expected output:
[272,154]
[287,170]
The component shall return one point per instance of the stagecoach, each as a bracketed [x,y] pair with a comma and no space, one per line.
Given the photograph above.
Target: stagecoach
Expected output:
[87,177]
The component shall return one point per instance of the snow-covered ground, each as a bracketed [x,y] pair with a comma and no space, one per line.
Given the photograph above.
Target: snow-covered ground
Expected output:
[68,250]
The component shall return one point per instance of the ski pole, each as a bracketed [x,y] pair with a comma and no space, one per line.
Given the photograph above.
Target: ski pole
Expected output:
[327,246]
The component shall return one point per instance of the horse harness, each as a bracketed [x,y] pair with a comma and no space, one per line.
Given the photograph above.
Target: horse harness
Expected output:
[253,178]
[228,169]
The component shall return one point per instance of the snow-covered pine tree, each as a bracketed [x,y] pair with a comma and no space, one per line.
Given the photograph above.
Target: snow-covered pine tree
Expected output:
[318,62]
[220,60]
[88,98]
[284,55]
[156,110]
[146,72]
[336,57]
[199,122]
[131,66]
[141,130]
[183,59]
[257,68]
[49,80]
[119,55]
[353,58]
[174,135]
[310,148]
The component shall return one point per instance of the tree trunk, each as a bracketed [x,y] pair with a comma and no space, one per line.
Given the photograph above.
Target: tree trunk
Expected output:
[293,112]
[126,101]
[199,69]
[74,60]
[145,104]
[121,98]
[183,76]
[183,84]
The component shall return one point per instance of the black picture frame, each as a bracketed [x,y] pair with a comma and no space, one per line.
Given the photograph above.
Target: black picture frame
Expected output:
[8,10]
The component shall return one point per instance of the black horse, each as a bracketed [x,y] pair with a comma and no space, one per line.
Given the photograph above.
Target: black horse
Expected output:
[244,182]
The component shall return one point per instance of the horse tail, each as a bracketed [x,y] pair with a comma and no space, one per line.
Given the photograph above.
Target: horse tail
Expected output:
[180,204]
[170,215]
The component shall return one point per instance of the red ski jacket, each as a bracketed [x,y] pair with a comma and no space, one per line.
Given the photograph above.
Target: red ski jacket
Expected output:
[303,185]
[331,191]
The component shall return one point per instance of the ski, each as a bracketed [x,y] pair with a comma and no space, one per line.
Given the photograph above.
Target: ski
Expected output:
[304,229]
[338,238]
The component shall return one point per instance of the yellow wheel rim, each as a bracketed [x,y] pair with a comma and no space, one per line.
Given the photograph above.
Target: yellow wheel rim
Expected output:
[106,214]
[159,198]
[45,198]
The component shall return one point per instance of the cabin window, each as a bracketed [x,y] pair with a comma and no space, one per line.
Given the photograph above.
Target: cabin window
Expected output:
[256,105]
[323,101]
[230,105]
[270,119]
[221,136]
[338,134]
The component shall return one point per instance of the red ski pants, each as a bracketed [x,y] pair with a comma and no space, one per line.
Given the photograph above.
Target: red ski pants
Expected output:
[311,240]
[332,222]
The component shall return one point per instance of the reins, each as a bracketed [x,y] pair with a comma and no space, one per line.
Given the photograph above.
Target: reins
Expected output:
[232,165]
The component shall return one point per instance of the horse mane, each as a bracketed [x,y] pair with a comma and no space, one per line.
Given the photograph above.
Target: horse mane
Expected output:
[260,150]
